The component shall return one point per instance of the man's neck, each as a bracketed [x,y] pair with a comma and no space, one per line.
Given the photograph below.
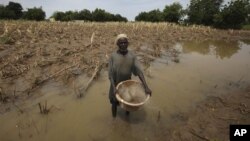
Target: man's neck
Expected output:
[122,52]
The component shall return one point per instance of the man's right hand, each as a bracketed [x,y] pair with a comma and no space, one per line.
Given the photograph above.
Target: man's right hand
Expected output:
[148,91]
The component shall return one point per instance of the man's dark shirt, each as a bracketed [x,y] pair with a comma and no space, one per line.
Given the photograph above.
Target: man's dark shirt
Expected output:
[121,68]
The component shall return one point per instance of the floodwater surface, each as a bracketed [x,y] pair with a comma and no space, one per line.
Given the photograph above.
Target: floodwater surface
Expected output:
[203,69]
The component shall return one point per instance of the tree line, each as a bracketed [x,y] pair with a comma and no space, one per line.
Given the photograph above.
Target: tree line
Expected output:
[15,11]
[214,13]
[98,15]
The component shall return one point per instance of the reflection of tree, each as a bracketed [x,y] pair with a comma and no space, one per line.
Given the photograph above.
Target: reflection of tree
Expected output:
[221,49]
[225,49]
[193,46]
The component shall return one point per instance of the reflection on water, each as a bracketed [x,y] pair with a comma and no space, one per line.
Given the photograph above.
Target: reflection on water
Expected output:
[220,49]
[205,69]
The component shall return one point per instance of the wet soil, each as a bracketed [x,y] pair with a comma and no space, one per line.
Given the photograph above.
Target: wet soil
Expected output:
[211,118]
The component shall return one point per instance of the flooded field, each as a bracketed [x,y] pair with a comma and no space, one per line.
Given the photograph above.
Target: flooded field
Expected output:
[179,83]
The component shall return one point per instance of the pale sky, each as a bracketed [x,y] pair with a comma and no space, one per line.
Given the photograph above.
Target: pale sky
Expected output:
[127,8]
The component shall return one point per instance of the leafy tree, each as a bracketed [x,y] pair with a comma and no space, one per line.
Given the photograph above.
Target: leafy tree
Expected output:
[58,15]
[248,15]
[69,15]
[203,11]
[85,15]
[34,14]
[194,15]
[99,15]
[6,13]
[173,12]
[118,17]
[16,8]
[211,8]
[11,11]
[155,15]
[151,16]
[234,15]
[143,16]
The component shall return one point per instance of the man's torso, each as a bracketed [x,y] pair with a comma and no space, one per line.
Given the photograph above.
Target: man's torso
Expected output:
[122,66]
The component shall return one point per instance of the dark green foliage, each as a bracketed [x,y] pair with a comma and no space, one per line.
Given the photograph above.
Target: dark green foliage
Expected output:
[11,11]
[16,8]
[203,11]
[211,12]
[14,11]
[248,15]
[84,15]
[173,12]
[6,13]
[151,16]
[101,15]
[34,14]
[118,17]
[234,15]
[59,16]
[143,16]
[98,15]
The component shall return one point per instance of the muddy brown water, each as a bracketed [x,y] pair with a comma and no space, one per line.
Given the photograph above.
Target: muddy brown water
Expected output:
[204,69]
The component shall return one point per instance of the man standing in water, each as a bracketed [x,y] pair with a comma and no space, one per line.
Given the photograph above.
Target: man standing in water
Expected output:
[122,64]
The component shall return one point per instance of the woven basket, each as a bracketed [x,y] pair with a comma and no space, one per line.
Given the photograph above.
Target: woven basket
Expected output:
[128,106]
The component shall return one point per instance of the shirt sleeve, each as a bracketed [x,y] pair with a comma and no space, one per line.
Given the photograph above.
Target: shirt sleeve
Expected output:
[110,67]
[136,67]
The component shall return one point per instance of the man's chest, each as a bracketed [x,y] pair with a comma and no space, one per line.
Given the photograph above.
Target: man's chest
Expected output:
[121,61]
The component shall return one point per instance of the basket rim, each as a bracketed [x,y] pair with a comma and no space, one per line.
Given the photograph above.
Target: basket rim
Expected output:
[129,103]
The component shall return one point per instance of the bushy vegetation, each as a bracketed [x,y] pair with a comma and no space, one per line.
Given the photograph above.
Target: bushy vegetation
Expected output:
[34,14]
[151,16]
[11,11]
[233,15]
[14,11]
[98,15]
[171,13]
[211,12]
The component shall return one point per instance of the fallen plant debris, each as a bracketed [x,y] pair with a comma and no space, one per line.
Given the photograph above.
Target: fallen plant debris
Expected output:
[37,52]
[40,53]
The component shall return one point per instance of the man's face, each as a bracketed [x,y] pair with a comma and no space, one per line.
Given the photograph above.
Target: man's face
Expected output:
[122,44]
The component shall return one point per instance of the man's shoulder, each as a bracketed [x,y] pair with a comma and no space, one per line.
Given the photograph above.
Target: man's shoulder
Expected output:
[113,54]
[131,54]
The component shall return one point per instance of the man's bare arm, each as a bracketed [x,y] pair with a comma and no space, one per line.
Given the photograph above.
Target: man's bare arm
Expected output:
[147,90]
